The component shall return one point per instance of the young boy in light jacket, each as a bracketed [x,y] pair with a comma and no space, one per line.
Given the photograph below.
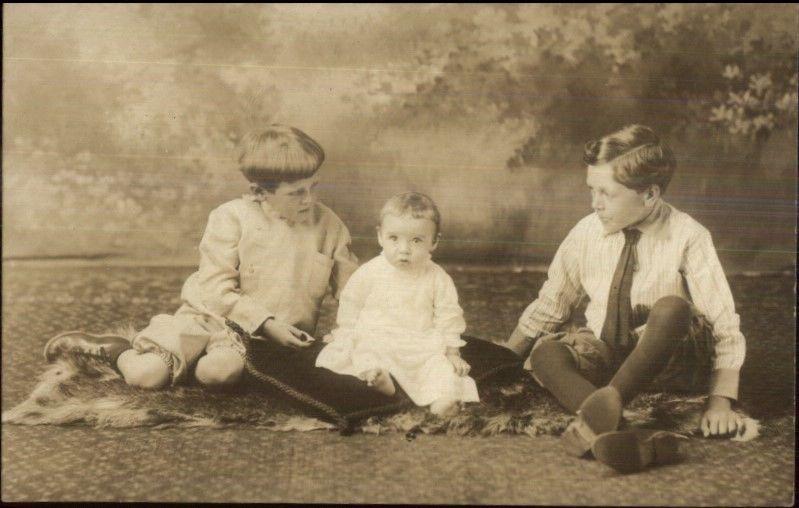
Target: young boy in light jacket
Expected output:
[267,260]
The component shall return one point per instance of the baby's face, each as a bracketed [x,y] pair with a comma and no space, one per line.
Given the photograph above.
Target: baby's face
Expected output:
[407,242]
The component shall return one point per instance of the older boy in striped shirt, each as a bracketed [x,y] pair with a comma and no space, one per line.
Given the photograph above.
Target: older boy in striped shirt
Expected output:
[653,279]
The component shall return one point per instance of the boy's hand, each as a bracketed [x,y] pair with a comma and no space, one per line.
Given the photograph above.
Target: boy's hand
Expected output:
[285,334]
[461,367]
[719,419]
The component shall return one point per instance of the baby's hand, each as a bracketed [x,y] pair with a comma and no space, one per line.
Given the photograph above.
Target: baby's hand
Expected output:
[719,419]
[461,367]
[285,334]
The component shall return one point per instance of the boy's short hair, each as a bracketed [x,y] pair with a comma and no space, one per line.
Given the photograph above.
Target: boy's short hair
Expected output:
[416,204]
[638,157]
[279,154]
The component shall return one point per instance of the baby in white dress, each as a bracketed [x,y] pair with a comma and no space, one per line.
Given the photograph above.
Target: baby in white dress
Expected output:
[399,316]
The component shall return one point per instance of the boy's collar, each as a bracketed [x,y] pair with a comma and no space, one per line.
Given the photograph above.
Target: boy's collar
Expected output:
[653,223]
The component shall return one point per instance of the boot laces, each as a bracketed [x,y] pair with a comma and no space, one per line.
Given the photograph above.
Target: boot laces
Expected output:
[100,354]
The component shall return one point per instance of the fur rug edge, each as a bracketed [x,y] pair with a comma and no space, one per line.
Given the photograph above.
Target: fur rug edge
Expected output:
[53,402]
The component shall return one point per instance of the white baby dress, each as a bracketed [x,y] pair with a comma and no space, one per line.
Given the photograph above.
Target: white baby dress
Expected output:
[401,321]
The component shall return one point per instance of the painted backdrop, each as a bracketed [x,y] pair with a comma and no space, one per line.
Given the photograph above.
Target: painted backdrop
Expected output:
[120,121]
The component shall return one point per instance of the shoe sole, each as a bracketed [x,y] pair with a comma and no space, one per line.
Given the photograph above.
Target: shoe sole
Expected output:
[48,358]
[625,452]
[574,444]
[577,444]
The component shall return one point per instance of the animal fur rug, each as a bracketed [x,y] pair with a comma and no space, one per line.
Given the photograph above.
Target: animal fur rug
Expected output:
[79,392]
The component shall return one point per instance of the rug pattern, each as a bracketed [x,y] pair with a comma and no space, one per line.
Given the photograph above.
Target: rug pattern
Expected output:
[62,463]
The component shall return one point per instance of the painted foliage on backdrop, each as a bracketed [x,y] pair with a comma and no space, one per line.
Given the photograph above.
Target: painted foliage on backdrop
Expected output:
[120,121]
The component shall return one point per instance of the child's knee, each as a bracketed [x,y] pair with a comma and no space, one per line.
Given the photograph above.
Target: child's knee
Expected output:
[220,367]
[145,370]
[547,354]
[670,309]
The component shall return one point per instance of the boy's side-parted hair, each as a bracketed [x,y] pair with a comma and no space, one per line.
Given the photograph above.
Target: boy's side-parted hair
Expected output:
[415,204]
[638,157]
[277,154]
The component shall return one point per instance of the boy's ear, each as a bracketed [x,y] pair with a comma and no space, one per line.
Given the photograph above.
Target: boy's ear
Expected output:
[652,193]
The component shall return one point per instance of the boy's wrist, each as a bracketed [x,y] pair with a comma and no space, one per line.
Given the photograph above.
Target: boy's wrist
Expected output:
[724,382]
[719,402]
[520,342]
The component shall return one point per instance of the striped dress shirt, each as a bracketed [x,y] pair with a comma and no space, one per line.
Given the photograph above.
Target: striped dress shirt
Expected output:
[675,256]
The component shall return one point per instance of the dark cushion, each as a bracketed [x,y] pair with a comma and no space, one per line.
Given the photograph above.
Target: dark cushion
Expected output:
[346,400]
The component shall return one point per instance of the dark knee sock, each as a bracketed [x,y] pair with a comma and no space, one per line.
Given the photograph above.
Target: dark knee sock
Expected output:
[666,327]
[554,366]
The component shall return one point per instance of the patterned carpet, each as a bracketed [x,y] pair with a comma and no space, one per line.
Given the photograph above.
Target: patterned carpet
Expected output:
[251,465]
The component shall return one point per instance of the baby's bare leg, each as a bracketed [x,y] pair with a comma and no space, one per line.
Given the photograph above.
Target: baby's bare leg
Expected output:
[380,380]
[145,370]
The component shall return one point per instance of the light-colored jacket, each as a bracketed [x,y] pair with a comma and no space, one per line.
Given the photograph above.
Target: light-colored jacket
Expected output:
[254,265]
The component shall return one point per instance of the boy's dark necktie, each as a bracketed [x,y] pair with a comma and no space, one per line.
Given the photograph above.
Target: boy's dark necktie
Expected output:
[616,330]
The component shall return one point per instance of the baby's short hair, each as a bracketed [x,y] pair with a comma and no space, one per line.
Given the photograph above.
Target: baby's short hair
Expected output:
[638,157]
[415,204]
[279,154]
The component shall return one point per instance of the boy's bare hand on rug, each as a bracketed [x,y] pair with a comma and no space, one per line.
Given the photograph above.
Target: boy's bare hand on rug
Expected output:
[285,334]
[461,367]
[719,419]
